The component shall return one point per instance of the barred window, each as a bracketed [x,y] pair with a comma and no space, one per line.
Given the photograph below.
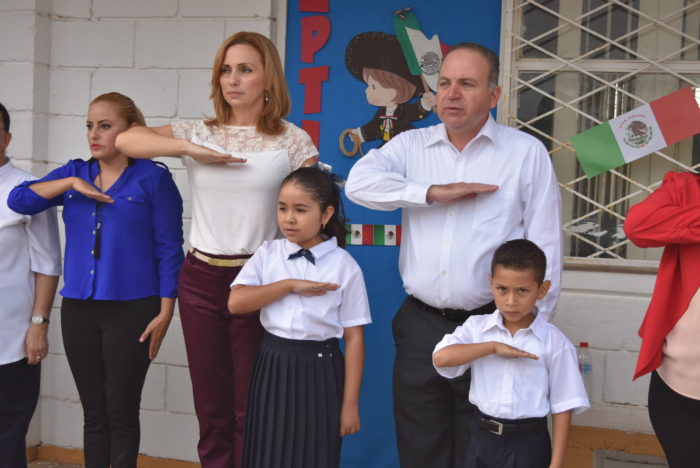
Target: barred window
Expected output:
[568,65]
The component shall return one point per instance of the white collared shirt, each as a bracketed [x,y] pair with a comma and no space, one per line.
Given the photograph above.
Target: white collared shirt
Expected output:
[309,318]
[28,244]
[522,387]
[446,249]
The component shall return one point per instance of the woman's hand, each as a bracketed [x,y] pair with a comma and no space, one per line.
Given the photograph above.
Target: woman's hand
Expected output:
[349,419]
[312,288]
[156,330]
[204,155]
[81,186]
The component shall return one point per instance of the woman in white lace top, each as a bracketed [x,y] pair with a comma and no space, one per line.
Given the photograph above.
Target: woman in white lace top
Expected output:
[235,163]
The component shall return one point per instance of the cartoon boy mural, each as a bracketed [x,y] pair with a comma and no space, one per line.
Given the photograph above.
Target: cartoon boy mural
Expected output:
[376,58]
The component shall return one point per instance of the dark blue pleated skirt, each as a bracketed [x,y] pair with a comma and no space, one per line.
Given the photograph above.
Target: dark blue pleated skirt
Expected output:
[293,416]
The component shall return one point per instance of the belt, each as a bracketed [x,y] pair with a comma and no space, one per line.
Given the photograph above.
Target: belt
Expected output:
[454,315]
[509,426]
[220,262]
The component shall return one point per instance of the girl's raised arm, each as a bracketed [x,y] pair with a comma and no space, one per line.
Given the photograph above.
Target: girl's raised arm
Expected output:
[249,298]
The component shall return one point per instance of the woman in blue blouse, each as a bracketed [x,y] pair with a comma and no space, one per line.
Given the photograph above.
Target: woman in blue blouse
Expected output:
[123,221]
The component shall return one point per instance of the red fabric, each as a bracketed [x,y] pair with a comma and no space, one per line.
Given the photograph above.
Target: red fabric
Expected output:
[677,114]
[669,218]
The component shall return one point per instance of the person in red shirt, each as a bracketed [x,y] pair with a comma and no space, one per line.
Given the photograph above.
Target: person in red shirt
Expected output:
[670,218]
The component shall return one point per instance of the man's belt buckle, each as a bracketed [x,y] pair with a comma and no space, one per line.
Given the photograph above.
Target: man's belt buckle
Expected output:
[499,425]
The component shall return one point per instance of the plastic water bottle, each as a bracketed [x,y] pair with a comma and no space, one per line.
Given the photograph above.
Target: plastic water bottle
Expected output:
[585,366]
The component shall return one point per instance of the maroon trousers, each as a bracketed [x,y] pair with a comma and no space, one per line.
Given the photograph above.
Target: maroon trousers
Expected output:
[221,350]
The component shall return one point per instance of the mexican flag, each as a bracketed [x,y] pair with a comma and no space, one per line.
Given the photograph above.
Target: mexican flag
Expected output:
[373,234]
[423,55]
[640,132]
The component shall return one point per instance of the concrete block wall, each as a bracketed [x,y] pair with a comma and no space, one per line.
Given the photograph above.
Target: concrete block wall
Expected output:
[58,55]
[606,309]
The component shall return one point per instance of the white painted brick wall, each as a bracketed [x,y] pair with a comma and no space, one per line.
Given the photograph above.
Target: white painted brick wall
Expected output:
[158,52]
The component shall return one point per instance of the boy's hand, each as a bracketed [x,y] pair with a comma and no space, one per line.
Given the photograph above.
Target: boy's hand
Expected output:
[349,419]
[312,288]
[510,352]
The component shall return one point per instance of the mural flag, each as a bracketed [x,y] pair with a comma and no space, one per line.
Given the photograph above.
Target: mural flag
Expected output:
[423,55]
[373,234]
[639,132]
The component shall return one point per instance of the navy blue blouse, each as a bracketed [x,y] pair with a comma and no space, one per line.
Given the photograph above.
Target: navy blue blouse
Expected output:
[129,249]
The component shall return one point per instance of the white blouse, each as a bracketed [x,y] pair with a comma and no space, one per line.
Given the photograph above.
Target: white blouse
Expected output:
[316,317]
[234,206]
[521,387]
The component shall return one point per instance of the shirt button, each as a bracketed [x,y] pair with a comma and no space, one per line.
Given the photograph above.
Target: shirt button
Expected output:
[93,213]
[94,232]
[320,354]
[92,272]
[92,252]
[128,198]
[444,272]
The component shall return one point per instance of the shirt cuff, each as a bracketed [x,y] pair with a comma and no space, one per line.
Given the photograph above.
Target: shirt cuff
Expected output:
[417,192]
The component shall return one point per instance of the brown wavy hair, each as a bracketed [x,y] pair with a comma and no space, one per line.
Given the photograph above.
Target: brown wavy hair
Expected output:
[278,103]
[125,107]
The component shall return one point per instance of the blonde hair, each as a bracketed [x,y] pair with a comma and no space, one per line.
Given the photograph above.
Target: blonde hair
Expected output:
[276,106]
[124,106]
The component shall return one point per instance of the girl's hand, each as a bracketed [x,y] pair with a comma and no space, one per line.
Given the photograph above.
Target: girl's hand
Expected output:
[156,330]
[349,419]
[79,185]
[204,155]
[312,288]
[510,352]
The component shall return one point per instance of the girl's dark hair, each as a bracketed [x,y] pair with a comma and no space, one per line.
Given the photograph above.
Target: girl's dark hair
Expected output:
[324,191]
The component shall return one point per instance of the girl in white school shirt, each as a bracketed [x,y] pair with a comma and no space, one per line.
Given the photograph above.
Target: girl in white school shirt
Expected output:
[303,399]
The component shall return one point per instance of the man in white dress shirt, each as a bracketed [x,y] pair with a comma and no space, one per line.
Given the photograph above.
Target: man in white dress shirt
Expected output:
[465,186]
[30,264]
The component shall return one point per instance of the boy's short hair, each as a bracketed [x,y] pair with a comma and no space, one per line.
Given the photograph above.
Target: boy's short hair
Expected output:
[5,116]
[521,254]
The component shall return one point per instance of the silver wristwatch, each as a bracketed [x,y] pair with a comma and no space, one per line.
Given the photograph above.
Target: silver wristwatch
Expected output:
[38,319]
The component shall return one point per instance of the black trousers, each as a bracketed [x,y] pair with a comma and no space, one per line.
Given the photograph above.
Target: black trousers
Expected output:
[675,419]
[109,365]
[19,393]
[532,449]
[431,413]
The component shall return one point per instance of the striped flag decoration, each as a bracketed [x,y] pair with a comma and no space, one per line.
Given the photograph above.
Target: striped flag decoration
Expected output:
[373,234]
[639,132]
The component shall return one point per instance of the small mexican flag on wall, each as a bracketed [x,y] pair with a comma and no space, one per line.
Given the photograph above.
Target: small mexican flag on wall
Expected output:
[373,234]
[640,132]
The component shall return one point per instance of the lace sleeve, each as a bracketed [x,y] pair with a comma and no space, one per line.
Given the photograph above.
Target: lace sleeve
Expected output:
[184,129]
[299,145]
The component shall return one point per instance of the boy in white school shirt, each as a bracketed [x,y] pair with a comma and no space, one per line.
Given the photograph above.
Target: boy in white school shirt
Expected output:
[523,368]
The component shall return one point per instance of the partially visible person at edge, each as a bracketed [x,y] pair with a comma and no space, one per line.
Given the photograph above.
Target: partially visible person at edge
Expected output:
[123,221]
[466,186]
[670,350]
[29,268]
[234,196]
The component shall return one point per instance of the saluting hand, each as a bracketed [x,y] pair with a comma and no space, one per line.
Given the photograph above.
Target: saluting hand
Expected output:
[510,352]
[450,193]
[312,288]
[204,155]
[81,186]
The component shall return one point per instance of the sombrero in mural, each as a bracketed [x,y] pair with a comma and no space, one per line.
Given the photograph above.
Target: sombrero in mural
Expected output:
[381,51]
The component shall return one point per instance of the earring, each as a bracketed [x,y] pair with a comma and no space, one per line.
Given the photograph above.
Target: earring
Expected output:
[267,96]
[323,227]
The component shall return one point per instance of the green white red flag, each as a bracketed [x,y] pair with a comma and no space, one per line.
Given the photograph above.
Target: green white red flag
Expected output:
[373,234]
[423,55]
[637,133]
